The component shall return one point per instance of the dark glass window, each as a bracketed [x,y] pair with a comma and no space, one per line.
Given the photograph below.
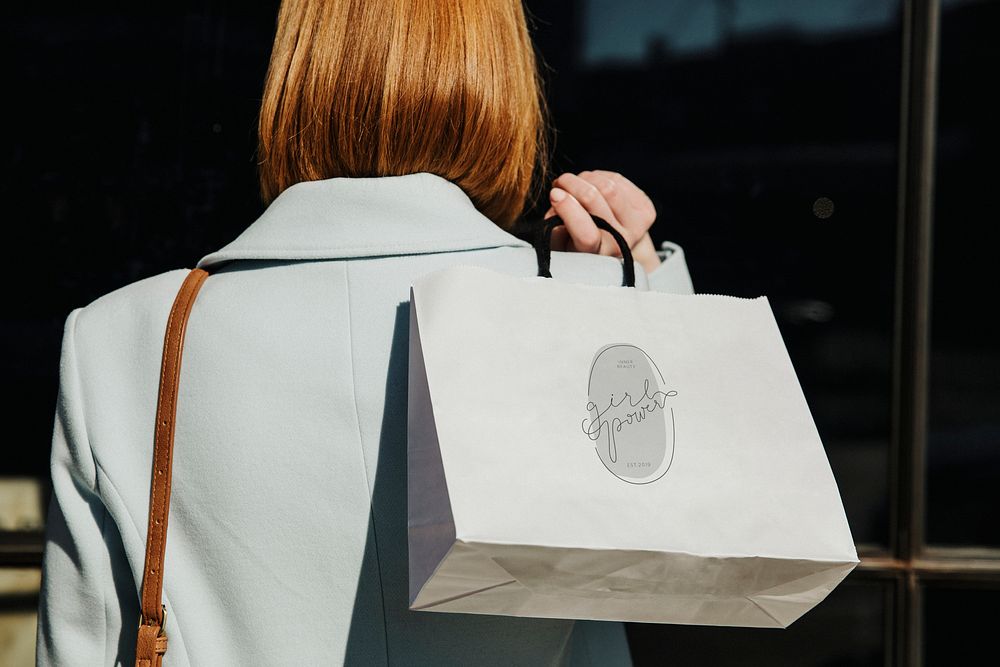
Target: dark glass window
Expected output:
[957,625]
[964,432]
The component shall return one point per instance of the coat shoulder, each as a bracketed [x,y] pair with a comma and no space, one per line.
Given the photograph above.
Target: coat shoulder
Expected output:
[123,313]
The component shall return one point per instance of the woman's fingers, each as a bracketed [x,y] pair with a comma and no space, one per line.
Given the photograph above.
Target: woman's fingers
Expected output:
[631,207]
[591,198]
[605,194]
[581,232]
[586,193]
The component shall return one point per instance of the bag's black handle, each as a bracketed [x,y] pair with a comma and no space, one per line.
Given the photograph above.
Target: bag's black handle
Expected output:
[544,248]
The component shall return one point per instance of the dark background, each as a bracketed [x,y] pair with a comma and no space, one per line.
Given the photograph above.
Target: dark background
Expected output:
[767,133]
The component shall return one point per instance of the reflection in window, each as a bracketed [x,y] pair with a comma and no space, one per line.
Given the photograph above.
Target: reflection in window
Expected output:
[622,31]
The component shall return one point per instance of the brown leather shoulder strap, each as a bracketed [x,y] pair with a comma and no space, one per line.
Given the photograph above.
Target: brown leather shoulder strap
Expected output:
[151,643]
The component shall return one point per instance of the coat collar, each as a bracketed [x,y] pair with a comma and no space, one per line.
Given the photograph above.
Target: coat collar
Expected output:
[365,217]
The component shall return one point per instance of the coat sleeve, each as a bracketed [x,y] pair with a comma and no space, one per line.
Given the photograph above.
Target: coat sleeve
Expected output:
[76,567]
[672,275]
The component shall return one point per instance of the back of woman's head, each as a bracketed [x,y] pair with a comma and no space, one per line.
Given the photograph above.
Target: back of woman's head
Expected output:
[365,88]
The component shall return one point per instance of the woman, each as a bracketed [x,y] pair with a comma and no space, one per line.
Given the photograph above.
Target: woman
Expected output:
[395,139]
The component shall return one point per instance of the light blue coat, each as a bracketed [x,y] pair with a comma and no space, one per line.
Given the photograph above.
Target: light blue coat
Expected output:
[287,532]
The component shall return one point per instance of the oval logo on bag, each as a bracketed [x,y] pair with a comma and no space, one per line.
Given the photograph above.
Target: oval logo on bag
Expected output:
[631,421]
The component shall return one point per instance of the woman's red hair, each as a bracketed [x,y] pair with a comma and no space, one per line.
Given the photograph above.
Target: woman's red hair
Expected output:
[366,88]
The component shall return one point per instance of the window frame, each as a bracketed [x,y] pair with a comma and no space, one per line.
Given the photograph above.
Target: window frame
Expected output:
[910,564]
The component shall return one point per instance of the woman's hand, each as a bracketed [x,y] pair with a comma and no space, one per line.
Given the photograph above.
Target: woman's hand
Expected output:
[607,195]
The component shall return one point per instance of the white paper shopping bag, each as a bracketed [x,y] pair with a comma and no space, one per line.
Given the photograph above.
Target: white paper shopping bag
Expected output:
[610,453]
